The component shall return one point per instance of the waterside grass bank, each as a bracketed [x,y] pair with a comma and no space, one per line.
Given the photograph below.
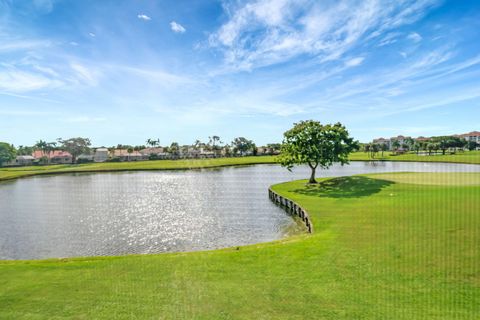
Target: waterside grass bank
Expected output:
[386,246]
[471,157]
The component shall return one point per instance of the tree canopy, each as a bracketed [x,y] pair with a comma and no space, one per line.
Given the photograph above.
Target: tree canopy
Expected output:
[76,146]
[309,142]
[242,145]
[7,153]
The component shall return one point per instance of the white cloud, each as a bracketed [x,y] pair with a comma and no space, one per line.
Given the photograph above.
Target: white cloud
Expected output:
[415,37]
[73,43]
[390,38]
[144,17]
[84,74]
[176,27]
[12,45]
[354,62]
[14,80]
[266,32]
[91,34]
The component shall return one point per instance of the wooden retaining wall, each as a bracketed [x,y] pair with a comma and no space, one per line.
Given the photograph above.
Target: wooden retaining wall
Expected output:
[292,208]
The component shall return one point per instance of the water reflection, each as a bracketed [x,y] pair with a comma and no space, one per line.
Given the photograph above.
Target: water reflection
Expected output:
[151,212]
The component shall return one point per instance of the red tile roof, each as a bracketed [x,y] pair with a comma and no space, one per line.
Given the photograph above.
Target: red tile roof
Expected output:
[471,134]
[37,154]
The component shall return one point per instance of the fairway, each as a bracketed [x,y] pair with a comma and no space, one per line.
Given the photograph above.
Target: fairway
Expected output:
[387,246]
[471,157]
[181,164]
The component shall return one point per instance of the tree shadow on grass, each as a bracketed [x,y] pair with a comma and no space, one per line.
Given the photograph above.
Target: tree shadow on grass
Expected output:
[345,187]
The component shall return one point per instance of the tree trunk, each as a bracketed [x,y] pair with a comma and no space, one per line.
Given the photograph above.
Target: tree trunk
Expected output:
[312,176]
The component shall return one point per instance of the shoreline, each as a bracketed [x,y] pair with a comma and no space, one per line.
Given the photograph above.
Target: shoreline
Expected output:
[17,172]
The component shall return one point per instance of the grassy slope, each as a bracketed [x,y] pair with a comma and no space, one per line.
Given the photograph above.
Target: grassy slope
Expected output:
[12,173]
[9,173]
[391,246]
[472,157]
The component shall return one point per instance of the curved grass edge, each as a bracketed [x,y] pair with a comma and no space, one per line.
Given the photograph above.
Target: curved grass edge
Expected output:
[291,207]
[325,267]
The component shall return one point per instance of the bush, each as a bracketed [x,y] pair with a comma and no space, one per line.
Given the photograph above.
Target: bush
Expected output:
[82,160]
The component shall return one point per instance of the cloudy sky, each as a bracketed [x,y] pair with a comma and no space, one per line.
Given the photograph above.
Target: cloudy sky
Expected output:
[124,71]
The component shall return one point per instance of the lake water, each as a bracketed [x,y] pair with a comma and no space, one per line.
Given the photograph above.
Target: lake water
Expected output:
[100,214]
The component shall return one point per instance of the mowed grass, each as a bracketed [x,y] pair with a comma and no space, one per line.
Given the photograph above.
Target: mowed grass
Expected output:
[16,172]
[472,157]
[390,246]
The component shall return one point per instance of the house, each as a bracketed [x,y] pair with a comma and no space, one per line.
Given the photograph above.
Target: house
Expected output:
[151,151]
[24,160]
[471,136]
[401,141]
[21,161]
[101,155]
[383,141]
[264,151]
[422,139]
[55,156]
[124,155]
[389,142]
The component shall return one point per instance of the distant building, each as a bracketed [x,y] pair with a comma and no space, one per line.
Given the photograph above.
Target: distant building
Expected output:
[124,155]
[471,136]
[422,139]
[383,141]
[265,151]
[150,151]
[56,156]
[21,161]
[101,155]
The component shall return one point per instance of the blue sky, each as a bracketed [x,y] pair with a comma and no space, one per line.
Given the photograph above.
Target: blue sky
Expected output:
[124,71]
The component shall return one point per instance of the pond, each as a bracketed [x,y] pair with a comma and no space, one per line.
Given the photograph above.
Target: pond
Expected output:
[100,214]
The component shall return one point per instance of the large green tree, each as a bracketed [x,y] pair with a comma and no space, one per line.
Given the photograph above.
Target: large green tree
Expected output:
[242,145]
[317,145]
[7,153]
[75,146]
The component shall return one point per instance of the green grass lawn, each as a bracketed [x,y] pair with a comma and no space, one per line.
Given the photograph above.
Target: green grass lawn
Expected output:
[16,172]
[472,157]
[387,246]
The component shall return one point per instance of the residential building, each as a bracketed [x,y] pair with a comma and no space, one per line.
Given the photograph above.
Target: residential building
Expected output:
[389,142]
[21,161]
[124,155]
[422,139]
[101,155]
[382,141]
[55,156]
[149,151]
[265,151]
[471,136]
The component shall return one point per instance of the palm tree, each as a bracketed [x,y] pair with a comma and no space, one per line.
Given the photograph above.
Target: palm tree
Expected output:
[46,148]
[213,141]
[396,145]
[196,144]
[153,143]
[384,148]
[416,147]
[130,151]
